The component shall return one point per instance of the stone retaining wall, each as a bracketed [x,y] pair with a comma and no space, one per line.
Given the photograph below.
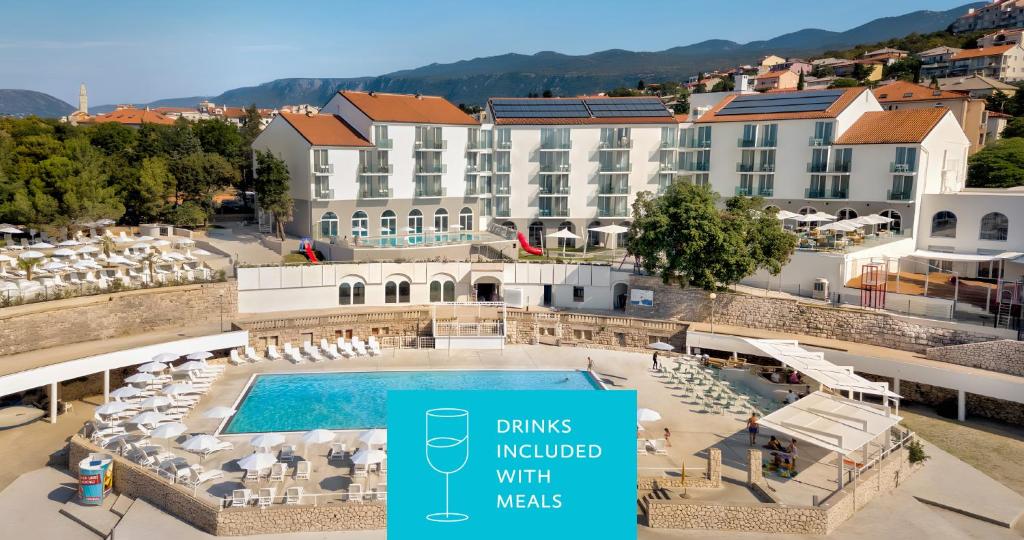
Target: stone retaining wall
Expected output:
[37,326]
[712,477]
[1003,356]
[413,322]
[585,330]
[936,396]
[784,315]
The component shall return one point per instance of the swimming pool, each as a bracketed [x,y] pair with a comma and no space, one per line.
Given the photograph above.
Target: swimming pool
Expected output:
[306,401]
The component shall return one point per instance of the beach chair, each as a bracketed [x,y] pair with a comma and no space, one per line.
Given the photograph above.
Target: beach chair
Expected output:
[252,475]
[359,471]
[303,470]
[641,446]
[659,447]
[337,452]
[291,354]
[250,355]
[330,350]
[374,346]
[266,497]
[235,360]
[272,353]
[287,453]
[311,352]
[359,346]
[293,495]
[224,445]
[200,476]
[355,492]
[240,497]
[345,348]
[277,471]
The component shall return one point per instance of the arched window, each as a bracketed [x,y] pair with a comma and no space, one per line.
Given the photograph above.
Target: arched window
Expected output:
[593,237]
[390,292]
[846,213]
[360,224]
[568,243]
[536,235]
[358,294]
[944,224]
[466,218]
[449,291]
[994,226]
[435,291]
[509,225]
[388,223]
[896,225]
[441,220]
[808,210]
[416,221]
[328,225]
[403,292]
[344,294]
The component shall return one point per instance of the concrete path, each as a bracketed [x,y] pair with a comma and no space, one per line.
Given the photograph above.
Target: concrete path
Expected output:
[30,507]
[241,243]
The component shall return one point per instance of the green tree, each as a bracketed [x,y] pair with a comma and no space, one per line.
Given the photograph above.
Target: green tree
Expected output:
[861,72]
[768,243]
[844,82]
[28,265]
[271,185]
[113,138]
[800,81]
[219,137]
[201,175]
[180,140]
[150,197]
[998,101]
[1014,128]
[726,84]
[998,165]
[640,85]
[189,214]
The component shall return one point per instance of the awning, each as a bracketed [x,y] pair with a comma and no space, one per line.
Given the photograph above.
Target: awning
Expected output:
[832,422]
[968,257]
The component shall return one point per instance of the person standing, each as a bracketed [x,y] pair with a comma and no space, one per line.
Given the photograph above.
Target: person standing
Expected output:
[668,439]
[752,428]
[654,361]
[791,450]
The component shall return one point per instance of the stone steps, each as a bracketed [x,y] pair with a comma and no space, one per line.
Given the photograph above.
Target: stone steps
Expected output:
[121,505]
[102,519]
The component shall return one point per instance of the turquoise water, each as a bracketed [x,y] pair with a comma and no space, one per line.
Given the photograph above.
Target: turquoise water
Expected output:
[421,238]
[302,402]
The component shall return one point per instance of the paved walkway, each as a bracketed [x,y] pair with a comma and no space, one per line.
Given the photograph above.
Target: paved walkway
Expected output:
[241,242]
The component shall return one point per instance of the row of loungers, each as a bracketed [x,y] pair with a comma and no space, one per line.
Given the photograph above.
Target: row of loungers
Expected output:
[326,350]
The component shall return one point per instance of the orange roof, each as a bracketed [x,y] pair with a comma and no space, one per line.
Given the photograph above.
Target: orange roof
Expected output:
[408,108]
[844,100]
[325,130]
[581,121]
[773,74]
[893,127]
[133,117]
[163,110]
[234,112]
[983,51]
[908,91]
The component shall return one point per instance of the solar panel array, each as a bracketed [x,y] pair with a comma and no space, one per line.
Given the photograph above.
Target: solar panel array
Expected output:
[579,108]
[815,101]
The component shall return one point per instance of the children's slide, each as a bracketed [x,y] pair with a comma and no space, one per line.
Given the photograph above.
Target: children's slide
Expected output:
[526,245]
[307,247]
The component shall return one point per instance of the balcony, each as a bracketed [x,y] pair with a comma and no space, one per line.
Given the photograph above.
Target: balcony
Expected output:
[478,146]
[432,169]
[502,190]
[503,167]
[699,166]
[814,167]
[695,144]
[819,141]
[615,211]
[621,144]
[744,191]
[324,169]
[902,168]
[502,211]
[555,168]
[816,193]
[666,145]
[374,192]
[746,143]
[553,212]
[667,167]
[555,146]
[384,144]
[431,145]
[380,168]
[765,191]
[818,168]
[471,190]
[898,195]
[324,194]
[744,167]
[609,168]
[504,145]
[429,190]
[554,191]
[612,190]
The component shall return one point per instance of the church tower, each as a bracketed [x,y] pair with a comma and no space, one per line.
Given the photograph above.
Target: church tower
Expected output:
[83,100]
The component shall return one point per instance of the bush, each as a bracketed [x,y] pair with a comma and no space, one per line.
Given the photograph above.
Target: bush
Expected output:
[188,214]
[916,452]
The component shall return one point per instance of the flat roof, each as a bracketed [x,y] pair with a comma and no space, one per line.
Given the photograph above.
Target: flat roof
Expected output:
[832,422]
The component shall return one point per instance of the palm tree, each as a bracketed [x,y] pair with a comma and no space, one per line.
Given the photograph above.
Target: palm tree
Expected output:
[150,259]
[28,265]
[107,243]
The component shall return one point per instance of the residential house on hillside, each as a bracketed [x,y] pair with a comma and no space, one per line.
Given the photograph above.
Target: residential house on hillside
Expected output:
[795,65]
[768,62]
[977,86]
[1003,62]
[130,116]
[996,124]
[998,14]
[887,54]
[935,61]
[873,68]
[776,80]
[969,112]
[1007,36]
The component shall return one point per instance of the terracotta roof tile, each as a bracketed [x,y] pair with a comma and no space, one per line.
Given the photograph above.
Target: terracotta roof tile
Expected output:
[133,117]
[588,121]
[908,91]
[325,130]
[837,107]
[983,51]
[408,109]
[893,127]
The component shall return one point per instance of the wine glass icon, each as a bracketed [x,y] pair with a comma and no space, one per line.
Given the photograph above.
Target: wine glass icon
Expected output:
[447,452]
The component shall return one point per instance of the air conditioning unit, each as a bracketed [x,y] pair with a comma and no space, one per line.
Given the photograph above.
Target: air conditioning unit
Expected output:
[820,291]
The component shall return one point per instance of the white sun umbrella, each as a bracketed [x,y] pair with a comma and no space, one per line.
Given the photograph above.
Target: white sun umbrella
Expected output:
[201,252]
[257,461]
[152,367]
[191,365]
[814,218]
[839,226]
[125,392]
[145,238]
[661,346]
[368,457]
[31,255]
[69,243]
[606,229]
[155,401]
[563,233]
[10,229]
[374,437]
[358,229]
[409,229]
[113,407]
[200,355]
[41,245]
[179,388]
[141,245]
[647,415]
[5,258]
[201,444]
[87,249]
[149,417]
[175,256]
[318,436]
[53,266]
[140,378]
[266,440]
[64,252]
[168,431]
[118,259]
[219,412]
[786,214]
[166,357]
[161,243]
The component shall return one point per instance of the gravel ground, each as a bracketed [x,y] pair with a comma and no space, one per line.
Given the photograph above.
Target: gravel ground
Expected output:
[994,448]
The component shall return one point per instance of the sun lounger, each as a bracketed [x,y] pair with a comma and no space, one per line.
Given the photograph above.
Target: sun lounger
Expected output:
[272,353]
[374,346]
[359,346]
[266,497]
[235,360]
[224,445]
[330,350]
[311,352]
[641,446]
[345,348]
[302,470]
[293,495]
[292,354]
[250,355]
[277,472]
[200,476]
[359,471]
[659,447]
[252,475]
[355,492]
[287,453]
[240,497]
[337,452]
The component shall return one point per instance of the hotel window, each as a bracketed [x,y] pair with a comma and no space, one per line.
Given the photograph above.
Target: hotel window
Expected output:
[322,187]
[388,223]
[320,163]
[554,138]
[769,135]
[380,137]
[390,292]
[360,224]
[415,221]
[944,224]
[466,219]
[344,294]
[906,160]
[359,294]
[441,220]
[994,226]
[435,291]
[669,137]
[577,294]
[823,133]
[328,225]
[503,138]
[403,292]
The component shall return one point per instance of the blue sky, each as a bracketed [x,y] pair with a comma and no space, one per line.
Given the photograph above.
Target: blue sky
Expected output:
[141,51]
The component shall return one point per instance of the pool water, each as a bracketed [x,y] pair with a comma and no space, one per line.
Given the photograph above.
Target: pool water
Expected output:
[306,401]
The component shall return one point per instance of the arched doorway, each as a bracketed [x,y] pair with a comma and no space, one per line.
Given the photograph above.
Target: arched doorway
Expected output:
[536,235]
[620,296]
[846,213]
[466,219]
[441,220]
[388,223]
[487,289]
[328,225]
[896,225]
[360,224]
[593,237]
[567,243]
[416,221]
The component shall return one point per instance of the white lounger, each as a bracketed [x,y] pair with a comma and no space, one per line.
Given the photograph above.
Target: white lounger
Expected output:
[250,354]
[235,360]
[359,346]
[329,349]
[345,348]
[374,346]
[311,352]
[272,353]
[292,354]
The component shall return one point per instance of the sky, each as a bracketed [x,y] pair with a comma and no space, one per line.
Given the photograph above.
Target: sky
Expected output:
[135,52]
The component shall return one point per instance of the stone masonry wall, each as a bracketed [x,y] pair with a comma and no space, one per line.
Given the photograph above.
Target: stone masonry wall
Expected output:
[936,396]
[1003,356]
[61,322]
[712,477]
[413,322]
[783,315]
[585,330]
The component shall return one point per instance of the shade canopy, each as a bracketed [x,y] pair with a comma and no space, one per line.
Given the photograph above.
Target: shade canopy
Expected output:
[813,218]
[839,226]
[114,407]
[88,249]
[368,457]
[219,412]
[168,431]
[786,214]
[191,365]
[41,245]
[149,417]
[8,229]
[257,461]
[610,229]
[647,415]
[318,436]
[179,388]
[152,367]
[31,255]
[69,243]
[166,357]
[200,355]
[831,422]
[563,233]
[374,437]
[125,392]
[967,257]
[156,401]
[140,378]
[814,365]
[64,252]
[661,346]
[267,440]
[201,443]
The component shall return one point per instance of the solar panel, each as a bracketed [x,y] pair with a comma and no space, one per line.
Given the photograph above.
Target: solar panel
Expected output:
[625,107]
[815,101]
[579,108]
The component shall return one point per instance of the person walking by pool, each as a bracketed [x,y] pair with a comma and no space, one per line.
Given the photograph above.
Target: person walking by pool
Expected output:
[654,361]
[668,438]
[752,427]
[590,364]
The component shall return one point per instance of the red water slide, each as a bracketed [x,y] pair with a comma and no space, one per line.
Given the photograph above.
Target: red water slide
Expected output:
[526,245]
[310,254]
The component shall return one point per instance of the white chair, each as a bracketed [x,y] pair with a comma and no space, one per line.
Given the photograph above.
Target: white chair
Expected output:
[329,350]
[252,475]
[337,452]
[374,346]
[266,497]
[240,497]
[359,346]
[311,352]
[293,495]
[355,492]
[333,352]
[250,355]
[303,470]
[200,476]
[287,453]
[291,354]
[345,348]
[277,472]
[235,360]
[272,353]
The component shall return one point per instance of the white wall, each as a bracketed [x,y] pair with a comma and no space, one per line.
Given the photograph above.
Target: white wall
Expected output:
[969,207]
[288,145]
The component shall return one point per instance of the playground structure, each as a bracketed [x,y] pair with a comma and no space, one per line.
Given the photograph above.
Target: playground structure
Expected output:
[523,243]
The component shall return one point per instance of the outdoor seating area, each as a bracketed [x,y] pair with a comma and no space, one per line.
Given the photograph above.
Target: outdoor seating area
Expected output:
[821,231]
[324,350]
[35,266]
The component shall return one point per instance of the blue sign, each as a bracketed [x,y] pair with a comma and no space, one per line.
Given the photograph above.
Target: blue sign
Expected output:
[499,465]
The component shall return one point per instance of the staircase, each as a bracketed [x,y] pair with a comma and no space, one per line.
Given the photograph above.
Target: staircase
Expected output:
[1003,315]
[102,519]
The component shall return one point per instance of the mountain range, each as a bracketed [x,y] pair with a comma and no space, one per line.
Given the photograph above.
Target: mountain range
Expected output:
[473,81]
[30,102]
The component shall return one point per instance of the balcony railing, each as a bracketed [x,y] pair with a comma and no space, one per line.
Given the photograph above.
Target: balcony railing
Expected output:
[615,167]
[324,194]
[814,167]
[555,168]
[816,193]
[429,190]
[613,190]
[475,145]
[698,166]
[744,167]
[432,145]
[374,192]
[819,141]
[905,168]
[502,211]
[841,168]
[502,190]
[742,191]
[669,144]
[746,143]
[696,144]
[324,169]
[555,146]
[553,212]
[618,211]
[897,195]
[621,144]
[385,144]
[503,167]
[503,145]
[471,189]
[667,167]
[435,169]
[765,192]
[377,169]
[554,190]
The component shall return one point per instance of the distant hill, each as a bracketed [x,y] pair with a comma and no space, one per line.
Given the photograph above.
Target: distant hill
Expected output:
[473,81]
[30,102]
